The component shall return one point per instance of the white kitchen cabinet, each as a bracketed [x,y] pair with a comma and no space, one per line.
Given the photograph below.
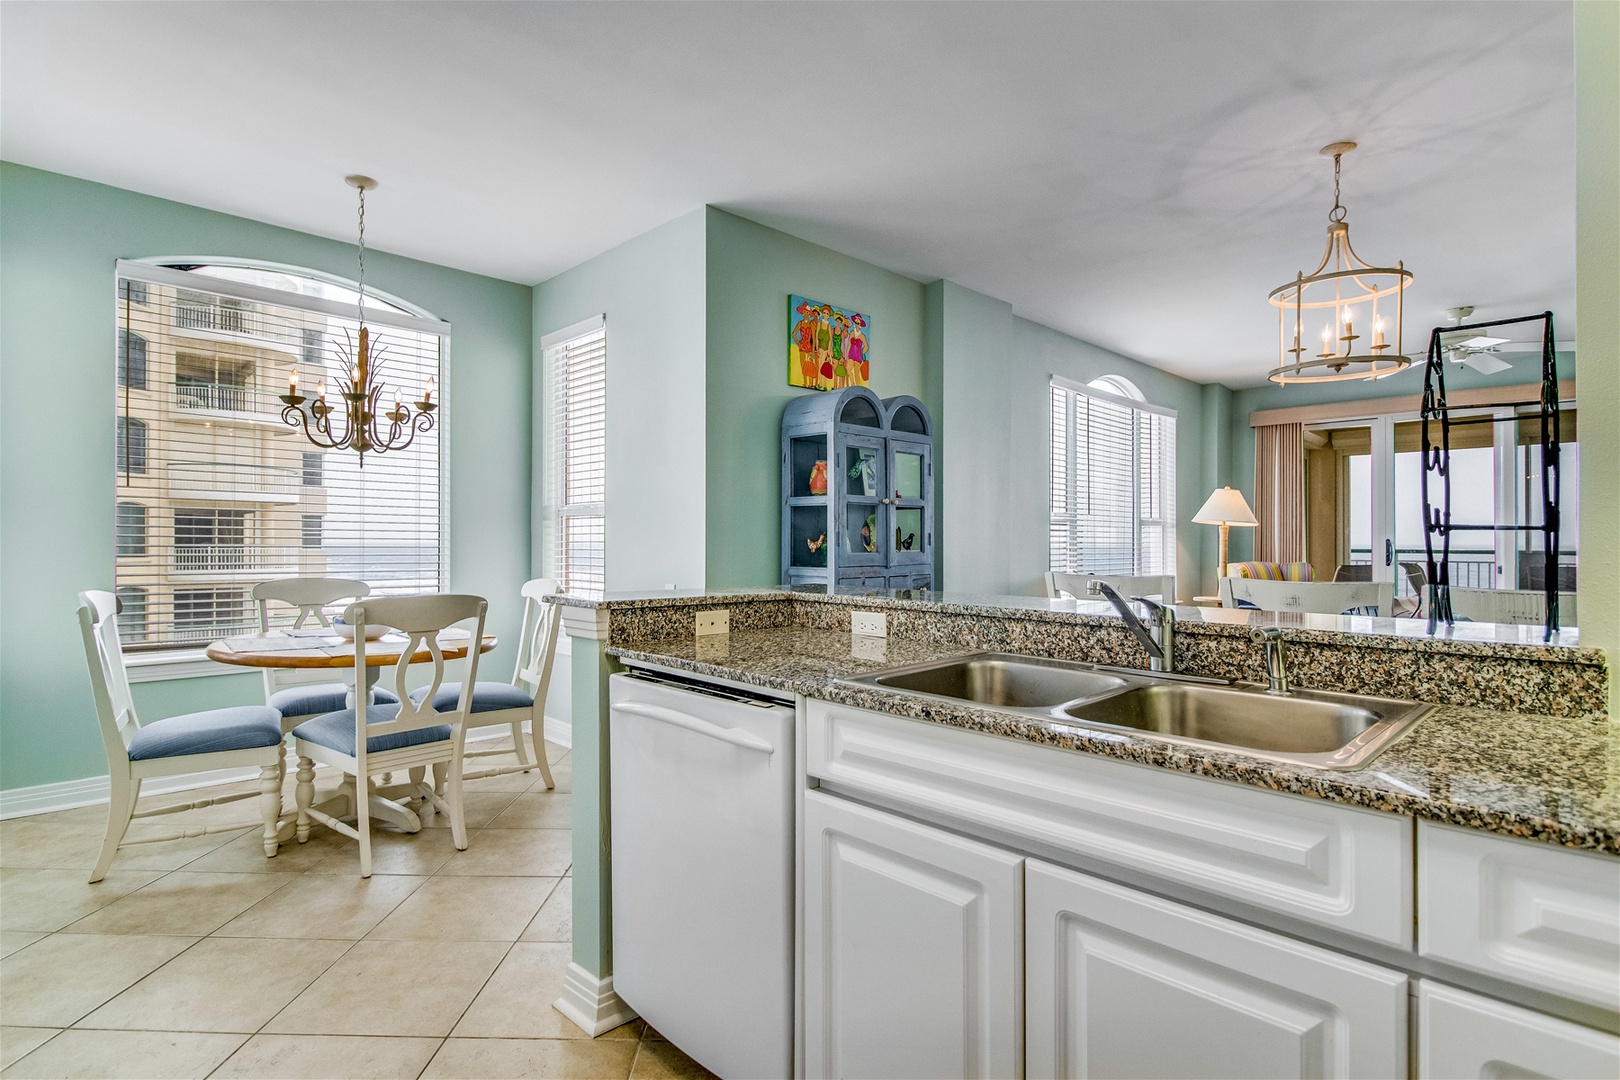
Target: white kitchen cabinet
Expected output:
[1120,983]
[913,944]
[1521,910]
[1465,1035]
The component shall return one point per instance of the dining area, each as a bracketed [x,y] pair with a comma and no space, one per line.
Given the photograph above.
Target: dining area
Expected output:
[396,740]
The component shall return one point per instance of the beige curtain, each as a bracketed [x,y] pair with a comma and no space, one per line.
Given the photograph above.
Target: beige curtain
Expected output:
[1279,492]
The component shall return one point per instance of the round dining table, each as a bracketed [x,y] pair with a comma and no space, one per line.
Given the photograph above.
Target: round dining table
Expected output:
[325,648]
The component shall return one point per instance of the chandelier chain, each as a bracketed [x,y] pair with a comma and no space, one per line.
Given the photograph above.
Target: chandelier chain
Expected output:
[363,252]
[1336,214]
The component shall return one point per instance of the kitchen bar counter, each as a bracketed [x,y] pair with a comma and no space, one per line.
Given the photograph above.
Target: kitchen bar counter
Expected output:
[1549,778]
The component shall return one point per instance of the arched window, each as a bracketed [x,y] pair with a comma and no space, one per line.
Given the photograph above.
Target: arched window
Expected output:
[1117,384]
[215,488]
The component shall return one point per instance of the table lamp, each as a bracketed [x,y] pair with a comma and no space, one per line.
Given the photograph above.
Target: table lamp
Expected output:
[1225,508]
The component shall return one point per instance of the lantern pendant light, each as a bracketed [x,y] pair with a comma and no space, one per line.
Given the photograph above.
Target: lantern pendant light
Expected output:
[1357,302]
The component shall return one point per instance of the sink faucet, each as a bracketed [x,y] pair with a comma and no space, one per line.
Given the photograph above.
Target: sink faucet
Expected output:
[1276,673]
[1160,640]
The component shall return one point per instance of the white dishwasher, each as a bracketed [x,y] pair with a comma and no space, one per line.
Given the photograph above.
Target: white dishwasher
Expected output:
[701,782]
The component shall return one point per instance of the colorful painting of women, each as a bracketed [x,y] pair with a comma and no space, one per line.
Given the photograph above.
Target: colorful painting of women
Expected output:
[828,347]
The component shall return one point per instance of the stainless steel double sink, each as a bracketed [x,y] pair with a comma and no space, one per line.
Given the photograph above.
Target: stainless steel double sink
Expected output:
[1317,728]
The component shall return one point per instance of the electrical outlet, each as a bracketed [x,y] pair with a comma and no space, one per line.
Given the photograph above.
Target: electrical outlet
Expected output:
[714,622]
[869,623]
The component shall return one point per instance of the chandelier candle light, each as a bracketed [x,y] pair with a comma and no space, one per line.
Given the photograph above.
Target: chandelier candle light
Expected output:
[359,387]
[1337,287]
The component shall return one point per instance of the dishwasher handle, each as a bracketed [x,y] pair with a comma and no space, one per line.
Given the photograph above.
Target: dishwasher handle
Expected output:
[696,724]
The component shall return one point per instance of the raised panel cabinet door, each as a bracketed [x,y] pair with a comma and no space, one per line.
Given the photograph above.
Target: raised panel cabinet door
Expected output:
[1119,983]
[1465,1035]
[1522,910]
[913,943]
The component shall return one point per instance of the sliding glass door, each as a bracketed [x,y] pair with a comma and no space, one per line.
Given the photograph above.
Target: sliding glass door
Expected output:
[1364,501]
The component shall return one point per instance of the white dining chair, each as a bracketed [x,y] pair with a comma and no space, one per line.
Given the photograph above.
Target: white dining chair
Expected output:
[524,698]
[286,689]
[1319,597]
[198,742]
[370,740]
[1161,587]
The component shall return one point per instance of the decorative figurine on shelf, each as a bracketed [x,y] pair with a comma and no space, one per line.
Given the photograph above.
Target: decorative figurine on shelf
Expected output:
[869,533]
[818,479]
[863,476]
[816,546]
[906,544]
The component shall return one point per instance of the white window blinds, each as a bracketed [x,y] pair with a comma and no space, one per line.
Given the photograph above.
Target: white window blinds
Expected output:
[575,362]
[214,492]
[1113,484]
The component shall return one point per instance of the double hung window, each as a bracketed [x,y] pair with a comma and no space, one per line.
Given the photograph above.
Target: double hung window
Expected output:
[215,492]
[575,361]
[1113,481]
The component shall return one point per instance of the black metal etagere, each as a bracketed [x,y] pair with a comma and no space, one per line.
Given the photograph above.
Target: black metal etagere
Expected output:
[1437,460]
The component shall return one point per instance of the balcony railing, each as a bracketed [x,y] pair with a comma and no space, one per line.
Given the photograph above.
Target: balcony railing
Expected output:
[280,484]
[1468,569]
[214,396]
[214,558]
[229,318]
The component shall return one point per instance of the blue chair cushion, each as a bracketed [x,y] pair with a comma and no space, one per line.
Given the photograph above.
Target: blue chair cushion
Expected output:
[321,698]
[487,697]
[245,727]
[335,731]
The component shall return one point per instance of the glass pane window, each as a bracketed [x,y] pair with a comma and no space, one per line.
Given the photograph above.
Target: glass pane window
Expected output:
[131,529]
[231,494]
[575,366]
[131,360]
[131,615]
[1113,482]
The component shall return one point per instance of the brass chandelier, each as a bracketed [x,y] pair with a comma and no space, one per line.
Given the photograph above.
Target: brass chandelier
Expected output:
[359,426]
[1339,287]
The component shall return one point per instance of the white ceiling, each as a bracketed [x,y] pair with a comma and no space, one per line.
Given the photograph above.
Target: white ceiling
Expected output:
[1139,175]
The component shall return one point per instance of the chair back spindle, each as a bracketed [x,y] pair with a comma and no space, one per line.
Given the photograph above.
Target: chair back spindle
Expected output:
[310,595]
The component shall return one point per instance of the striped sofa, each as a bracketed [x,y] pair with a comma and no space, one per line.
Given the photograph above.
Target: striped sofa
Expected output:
[1270,571]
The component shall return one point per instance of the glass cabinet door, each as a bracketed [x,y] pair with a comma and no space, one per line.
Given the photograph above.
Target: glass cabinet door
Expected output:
[863,522]
[911,472]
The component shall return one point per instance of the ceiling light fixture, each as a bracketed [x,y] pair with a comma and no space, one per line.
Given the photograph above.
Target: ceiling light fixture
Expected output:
[359,387]
[1338,288]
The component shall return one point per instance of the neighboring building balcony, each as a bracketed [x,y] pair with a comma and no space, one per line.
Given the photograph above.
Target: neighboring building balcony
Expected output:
[218,481]
[218,318]
[234,559]
[222,403]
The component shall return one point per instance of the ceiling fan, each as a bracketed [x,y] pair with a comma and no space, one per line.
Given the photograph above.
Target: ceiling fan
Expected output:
[1482,351]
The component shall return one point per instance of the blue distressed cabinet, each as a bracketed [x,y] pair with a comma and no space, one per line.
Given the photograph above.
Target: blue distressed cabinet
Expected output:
[873,527]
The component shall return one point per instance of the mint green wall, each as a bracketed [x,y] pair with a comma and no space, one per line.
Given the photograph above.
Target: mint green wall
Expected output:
[978,508]
[751,272]
[994,374]
[1526,369]
[651,289]
[1215,471]
[59,238]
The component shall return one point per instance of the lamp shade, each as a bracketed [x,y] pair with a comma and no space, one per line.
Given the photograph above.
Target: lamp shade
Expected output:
[1225,507]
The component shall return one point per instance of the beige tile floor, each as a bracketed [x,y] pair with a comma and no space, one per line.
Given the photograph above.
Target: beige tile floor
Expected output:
[202,958]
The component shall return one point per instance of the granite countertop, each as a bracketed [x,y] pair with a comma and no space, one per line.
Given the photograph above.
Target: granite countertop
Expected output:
[1463,638]
[1550,778]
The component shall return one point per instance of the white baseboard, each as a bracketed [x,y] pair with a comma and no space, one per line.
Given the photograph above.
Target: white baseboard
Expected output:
[560,730]
[92,790]
[67,794]
[591,1003]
